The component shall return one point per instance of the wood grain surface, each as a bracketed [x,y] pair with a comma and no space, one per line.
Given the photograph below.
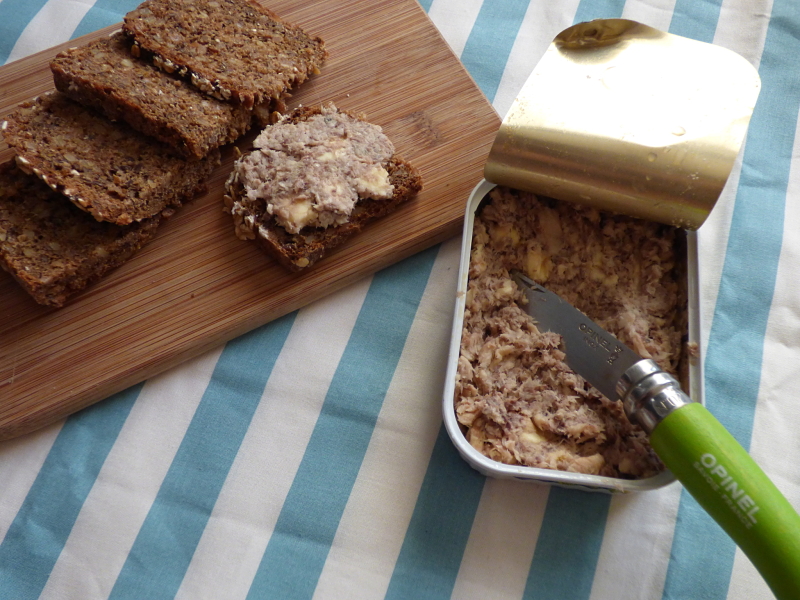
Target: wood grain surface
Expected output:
[196,285]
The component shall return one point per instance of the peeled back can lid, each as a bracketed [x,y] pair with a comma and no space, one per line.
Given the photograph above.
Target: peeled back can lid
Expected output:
[629,119]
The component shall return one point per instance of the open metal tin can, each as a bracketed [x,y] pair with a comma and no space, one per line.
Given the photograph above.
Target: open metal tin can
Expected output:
[692,383]
[627,119]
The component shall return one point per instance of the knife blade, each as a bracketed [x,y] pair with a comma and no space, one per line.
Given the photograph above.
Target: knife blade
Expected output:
[715,469]
[647,392]
[590,350]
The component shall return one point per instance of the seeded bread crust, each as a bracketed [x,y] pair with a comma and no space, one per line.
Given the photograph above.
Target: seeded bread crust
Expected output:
[104,76]
[52,248]
[107,169]
[235,50]
[297,252]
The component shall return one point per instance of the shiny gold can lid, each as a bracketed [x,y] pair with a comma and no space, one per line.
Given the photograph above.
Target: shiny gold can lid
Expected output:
[626,118]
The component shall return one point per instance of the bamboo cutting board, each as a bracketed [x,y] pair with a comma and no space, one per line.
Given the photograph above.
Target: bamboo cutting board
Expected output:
[196,285]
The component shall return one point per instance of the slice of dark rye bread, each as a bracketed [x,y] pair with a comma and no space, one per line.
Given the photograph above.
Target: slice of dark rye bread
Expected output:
[52,248]
[104,76]
[235,50]
[299,251]
[108,169]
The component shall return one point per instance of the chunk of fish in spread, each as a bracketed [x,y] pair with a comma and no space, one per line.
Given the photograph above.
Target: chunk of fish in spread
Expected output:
[312,173]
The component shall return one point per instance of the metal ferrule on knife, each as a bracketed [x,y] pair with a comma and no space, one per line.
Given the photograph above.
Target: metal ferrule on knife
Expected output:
[649,394]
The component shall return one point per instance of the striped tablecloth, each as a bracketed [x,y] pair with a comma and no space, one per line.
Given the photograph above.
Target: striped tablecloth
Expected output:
[307,458]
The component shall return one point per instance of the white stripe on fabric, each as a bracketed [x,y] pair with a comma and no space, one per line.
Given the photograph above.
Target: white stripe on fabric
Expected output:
[655,13]
[239,528]
[775,432]
[712,239]
[382,501]
[746,40]
[128,482]
[58,18]
[545,20]
[746,583]
[502,541]
[455,21]
[21,459]
[636,545]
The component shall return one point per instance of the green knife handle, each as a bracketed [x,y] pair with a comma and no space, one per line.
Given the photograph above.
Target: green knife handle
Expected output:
[733,489]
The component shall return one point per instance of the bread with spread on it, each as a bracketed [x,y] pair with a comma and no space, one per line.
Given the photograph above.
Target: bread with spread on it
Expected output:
[377,189]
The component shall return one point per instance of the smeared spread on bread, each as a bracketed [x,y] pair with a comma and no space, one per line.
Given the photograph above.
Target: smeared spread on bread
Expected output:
[312,172]
[314,179]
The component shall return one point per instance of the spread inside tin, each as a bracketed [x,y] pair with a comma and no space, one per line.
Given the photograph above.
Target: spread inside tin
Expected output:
[516,399]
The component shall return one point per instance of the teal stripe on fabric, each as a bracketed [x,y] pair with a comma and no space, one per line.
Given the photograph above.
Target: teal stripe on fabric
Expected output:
[40,529]
[295,555]
[702,555]
[569,542]
[696,19]
[15,16]
[157,562]
[489,43]
[434,543]
[103,14]
[425,4]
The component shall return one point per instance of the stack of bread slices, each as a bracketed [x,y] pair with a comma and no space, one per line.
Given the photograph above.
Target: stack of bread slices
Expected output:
[133,131]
